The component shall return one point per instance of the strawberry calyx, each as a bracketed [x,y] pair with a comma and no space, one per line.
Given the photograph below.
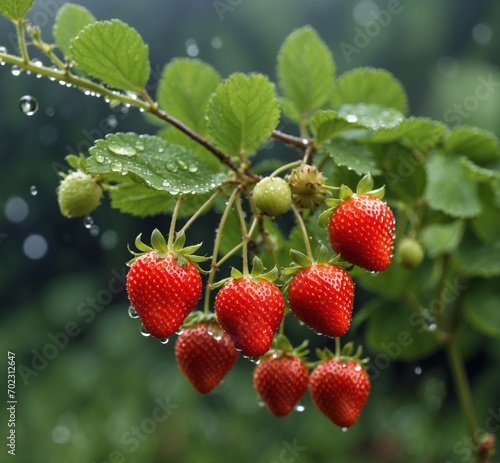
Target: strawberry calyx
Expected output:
[282,346]
[183,254]
[301,261]
[256,274]
[197,317]
[364,187]
[345,355]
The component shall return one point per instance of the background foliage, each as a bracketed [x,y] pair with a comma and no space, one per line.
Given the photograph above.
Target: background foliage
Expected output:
[106,380]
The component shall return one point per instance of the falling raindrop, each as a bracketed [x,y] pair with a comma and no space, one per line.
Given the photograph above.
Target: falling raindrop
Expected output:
[132,313]
[28,105]
[15,71]
[299,407]
[144,331]
[192,48]
[418,370]
[112,121]
[216,42]
[33,190]
[3,50]
[94,230]
[88,221]
[164,340]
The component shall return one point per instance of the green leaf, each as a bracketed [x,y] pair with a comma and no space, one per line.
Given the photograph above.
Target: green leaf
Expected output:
[481,307]
[151,161]
[70,20]
[416,133]
[15,10]
[373,116]
[242,113]
[449,188]
[486,225]
[305,71]
[477,144]
[442,238]
[395,335]
[185,88]
[477,258]
[326,124]
[113,52]
[369,86]
[353,155]
[481,174]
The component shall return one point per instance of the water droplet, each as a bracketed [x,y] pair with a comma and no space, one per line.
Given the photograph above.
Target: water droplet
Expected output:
[432,327]
[88,221]
[193,168]
[112,121]
[299,407]
[418,370]
[33,190]
[165,183]
[144,331]
[3,50]
[94,230]
[344,429]
[181,163]
[218,337]
[28,105]
[172,167]
[260,404]
[192,48]
[351,118]
[122,150]
[216,42]
[99,158]
[132,313]
[15,71]
[161,150]
[164,340]
[179,331]
[139,147]
[116,166]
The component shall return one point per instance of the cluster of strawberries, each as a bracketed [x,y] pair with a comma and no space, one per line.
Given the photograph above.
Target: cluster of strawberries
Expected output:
[164,286]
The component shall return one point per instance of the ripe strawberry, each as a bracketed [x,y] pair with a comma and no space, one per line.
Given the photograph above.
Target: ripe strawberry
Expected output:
[163,287]
[322,296]
[340,390]
[205,355]
[281,381]
[272,195]
[361,230]
[250,313]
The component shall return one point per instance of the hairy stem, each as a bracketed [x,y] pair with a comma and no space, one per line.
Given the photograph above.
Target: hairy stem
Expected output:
[303,228]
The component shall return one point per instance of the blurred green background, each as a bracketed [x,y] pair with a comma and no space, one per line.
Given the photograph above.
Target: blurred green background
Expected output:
[102,392]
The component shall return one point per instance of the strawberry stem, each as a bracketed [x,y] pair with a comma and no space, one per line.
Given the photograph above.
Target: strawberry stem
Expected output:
[289,166]
[171,232]
[303,228]
[214,265]
[244,235]
[337,347]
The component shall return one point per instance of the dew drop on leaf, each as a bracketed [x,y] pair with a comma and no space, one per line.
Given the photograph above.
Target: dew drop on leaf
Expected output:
[351,118]
[181,163]
[193,168]
[172,167]
[132,313]
[116,166]
[28,105]
[122,150]
[99,158]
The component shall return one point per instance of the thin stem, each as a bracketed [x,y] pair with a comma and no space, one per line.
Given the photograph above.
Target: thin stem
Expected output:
[299,142]
[215,252]
[171,233]
[244,235]
[303,228]
[21,40]
[233,251]
[200,211]
[462,385]
[337,346]
[291,165]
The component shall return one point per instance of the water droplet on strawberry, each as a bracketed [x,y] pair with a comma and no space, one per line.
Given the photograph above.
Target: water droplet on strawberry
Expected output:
[344,429]
[357,368]
[144,331]
[299,407]
[164,340]
[132,313]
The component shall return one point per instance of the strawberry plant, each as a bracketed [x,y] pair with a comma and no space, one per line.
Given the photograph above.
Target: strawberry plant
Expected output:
[371,202]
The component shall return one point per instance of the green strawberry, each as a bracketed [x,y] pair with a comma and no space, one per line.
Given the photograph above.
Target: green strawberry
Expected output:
[78,194]
[272,196]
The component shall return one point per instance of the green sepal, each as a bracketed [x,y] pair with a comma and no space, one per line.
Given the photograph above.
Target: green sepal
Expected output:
[347,349]
[77,162]
[378,193]
[257,268]
[365,185]
[300,258]
[236,274]
[333,202]
[159,244]
[323,255]
[324,218]
[196,317]
[272,275]
[140,245]
[179,242]
[345,193]
[282,346]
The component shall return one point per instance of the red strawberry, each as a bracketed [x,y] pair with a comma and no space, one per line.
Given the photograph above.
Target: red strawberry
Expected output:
[281,381]
[250,313]
[340,390]
[163,287]
[361,230]
[205,355]
[322,296]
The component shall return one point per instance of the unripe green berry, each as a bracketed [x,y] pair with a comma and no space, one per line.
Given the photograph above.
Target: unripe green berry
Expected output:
[410,252]
[308,187]
[272,196]
[78,194]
